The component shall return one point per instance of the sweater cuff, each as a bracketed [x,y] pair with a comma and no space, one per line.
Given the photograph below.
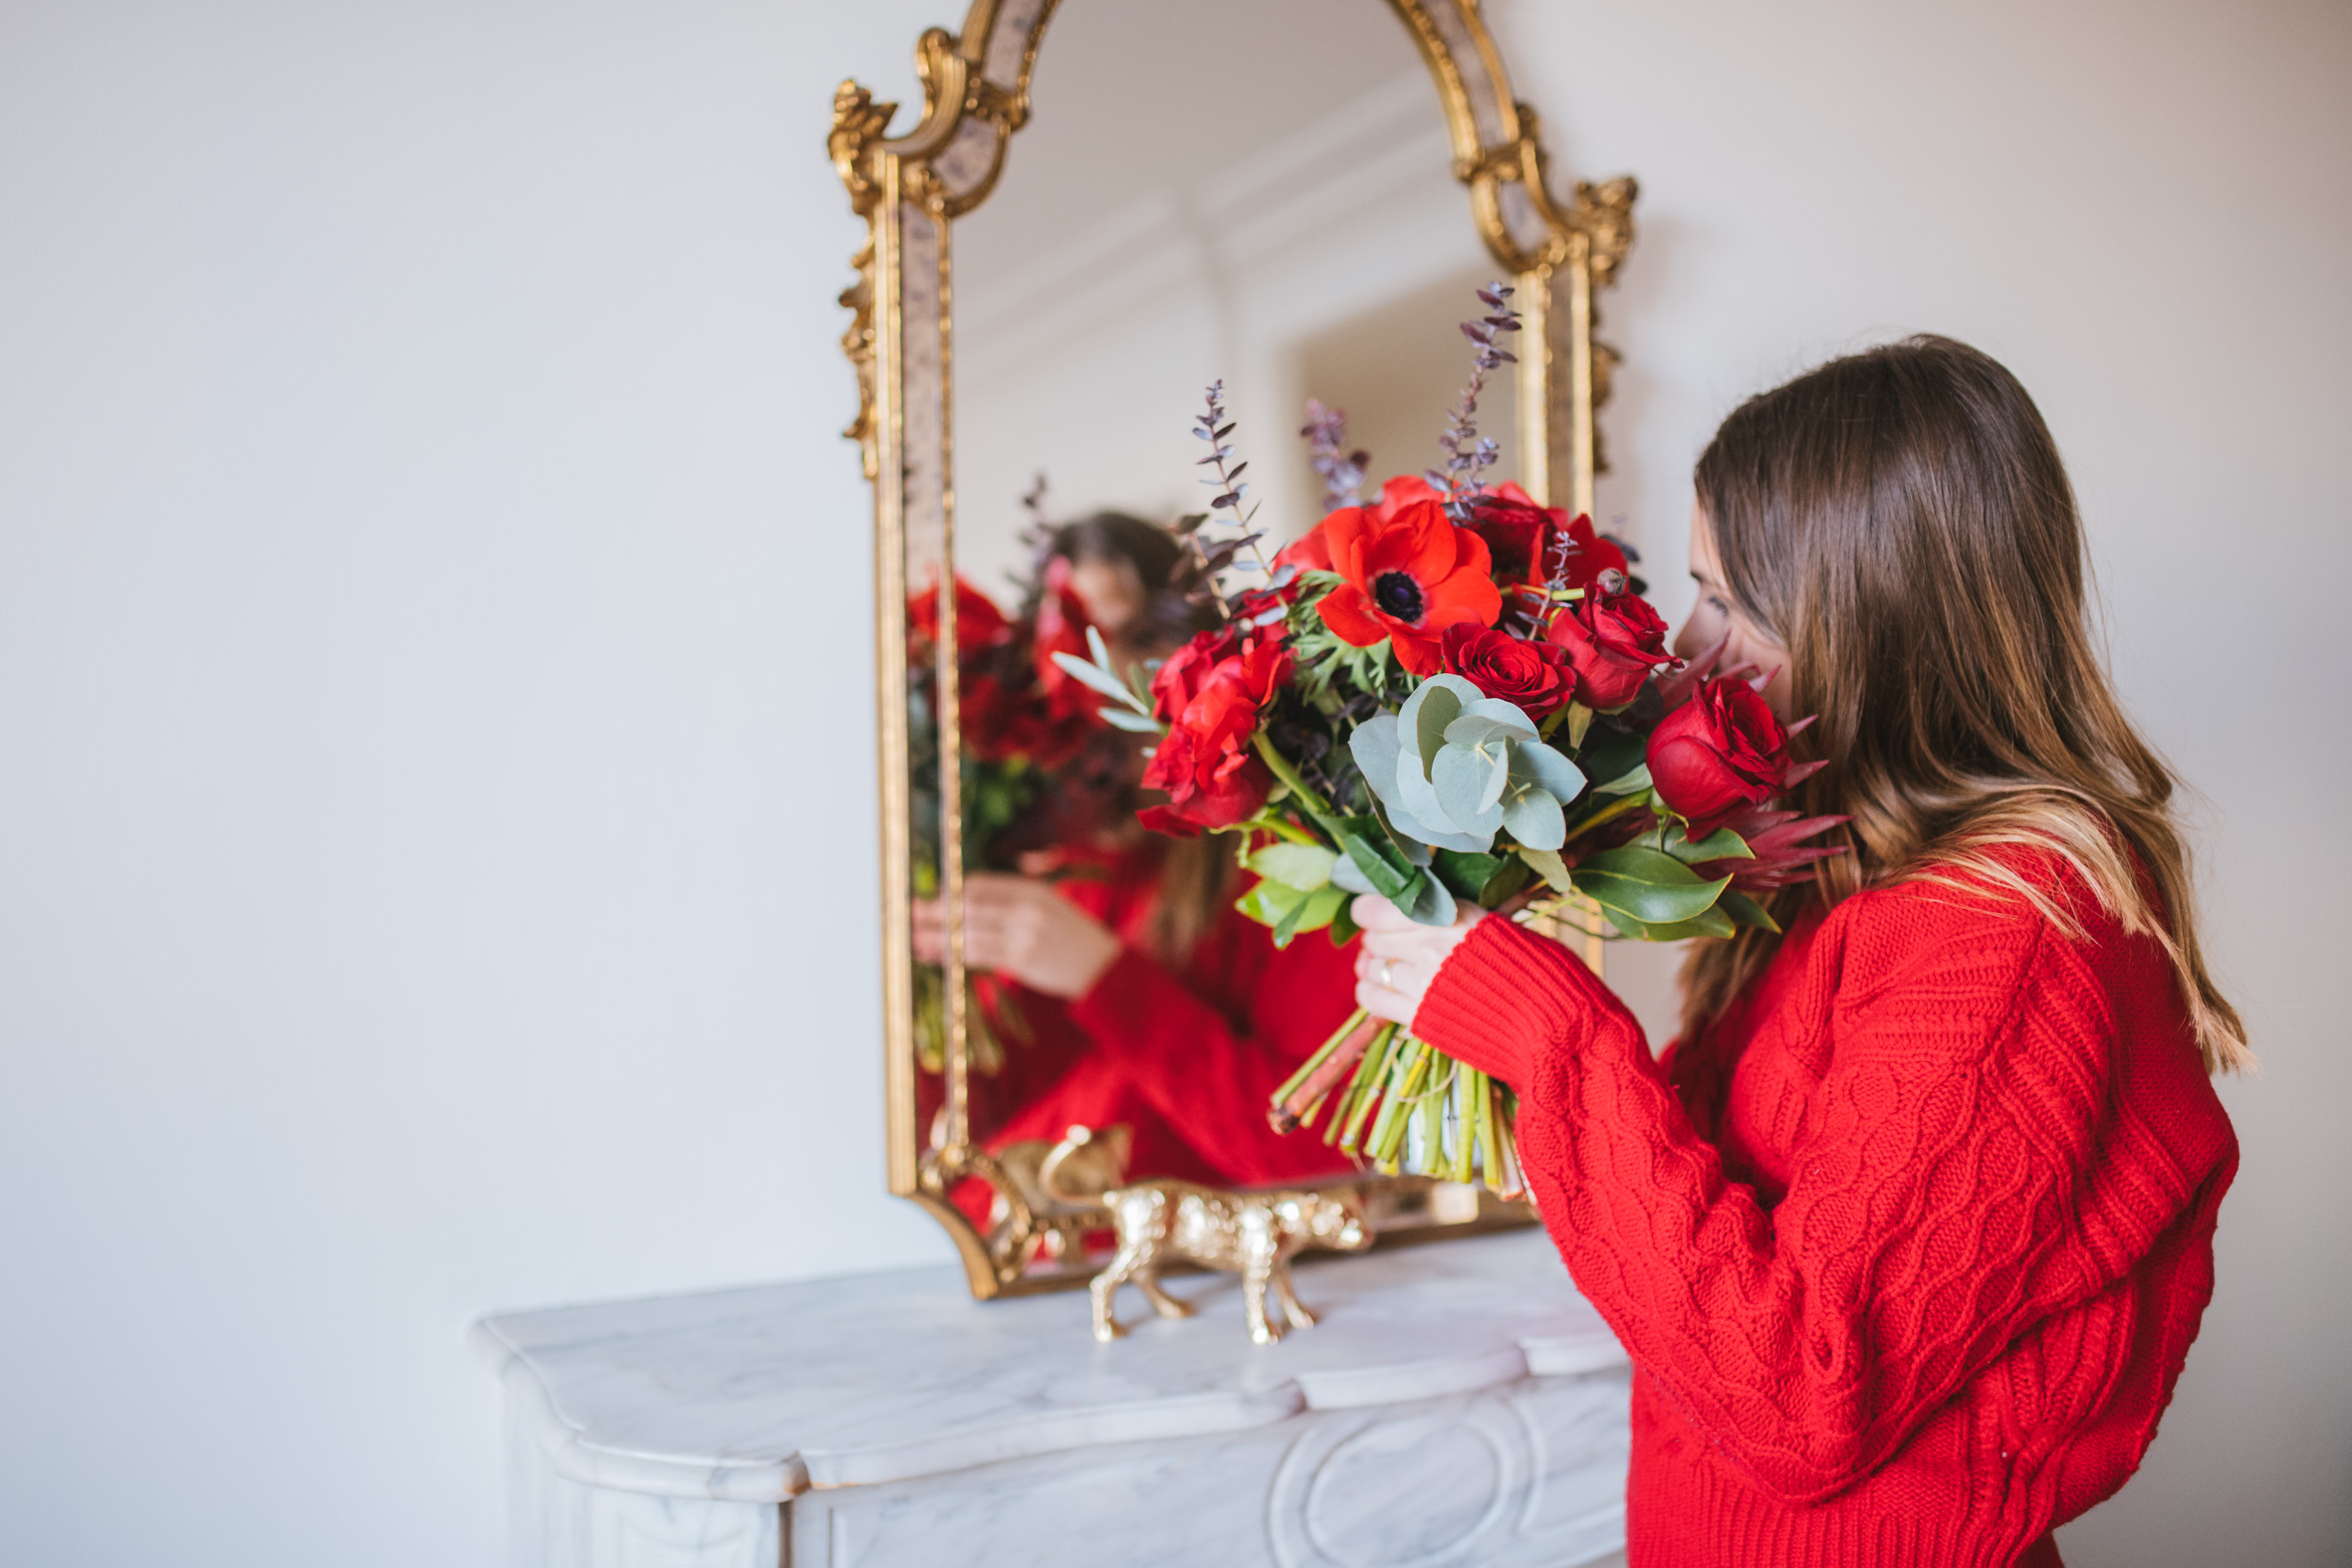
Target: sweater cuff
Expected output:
[1502,995]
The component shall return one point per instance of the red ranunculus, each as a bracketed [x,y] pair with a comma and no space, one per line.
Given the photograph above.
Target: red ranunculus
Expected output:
[1062,628]
[1719,752]
[1538,676]
[1614,640]
[1212,776]
[1407,573]
[1529,541]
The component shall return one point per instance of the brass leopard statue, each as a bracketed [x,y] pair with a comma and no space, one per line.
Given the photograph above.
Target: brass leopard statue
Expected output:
[1254,1235]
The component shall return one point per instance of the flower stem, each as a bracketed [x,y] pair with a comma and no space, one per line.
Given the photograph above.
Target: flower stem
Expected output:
[1316,806]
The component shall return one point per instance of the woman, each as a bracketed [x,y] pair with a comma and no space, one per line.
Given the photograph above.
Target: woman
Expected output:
[1907,1236]
[1145,999]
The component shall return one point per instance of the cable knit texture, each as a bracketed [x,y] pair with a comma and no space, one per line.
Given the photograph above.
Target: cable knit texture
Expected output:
[1907,1249]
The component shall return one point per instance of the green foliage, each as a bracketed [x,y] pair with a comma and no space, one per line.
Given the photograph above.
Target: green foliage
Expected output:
[1646,888]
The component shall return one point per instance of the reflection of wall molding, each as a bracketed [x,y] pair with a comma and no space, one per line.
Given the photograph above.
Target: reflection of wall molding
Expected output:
[1379,168]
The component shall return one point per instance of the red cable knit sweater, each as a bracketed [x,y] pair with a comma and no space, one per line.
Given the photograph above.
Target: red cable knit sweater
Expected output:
[1906,1249]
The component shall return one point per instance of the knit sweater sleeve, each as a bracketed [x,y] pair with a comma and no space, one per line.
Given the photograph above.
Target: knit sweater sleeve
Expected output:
[1210,1079]
[1967,1175]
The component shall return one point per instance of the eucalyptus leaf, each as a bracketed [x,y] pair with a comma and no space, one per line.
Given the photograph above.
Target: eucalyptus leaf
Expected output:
[1375,745]
[1435,702]
[1539,764]
[1536,820]
[1468,784]
[1306,866]
[1095,676]
[1416,811]
[1135,722]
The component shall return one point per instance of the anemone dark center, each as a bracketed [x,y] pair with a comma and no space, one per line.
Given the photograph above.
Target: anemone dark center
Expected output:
[1398,594]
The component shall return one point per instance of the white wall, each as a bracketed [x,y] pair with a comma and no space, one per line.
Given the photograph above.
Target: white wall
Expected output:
[422,890]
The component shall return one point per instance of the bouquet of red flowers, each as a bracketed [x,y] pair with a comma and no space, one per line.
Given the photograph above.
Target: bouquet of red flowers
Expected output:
[1452,694]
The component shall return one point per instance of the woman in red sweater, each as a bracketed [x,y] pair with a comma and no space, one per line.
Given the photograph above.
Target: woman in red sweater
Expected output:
[1908,1233]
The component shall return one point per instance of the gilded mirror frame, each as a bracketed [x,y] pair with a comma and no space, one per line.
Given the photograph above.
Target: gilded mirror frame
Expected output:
[910,188]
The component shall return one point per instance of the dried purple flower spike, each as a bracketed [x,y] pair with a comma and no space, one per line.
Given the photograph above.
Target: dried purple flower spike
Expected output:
[1342,470]
[1468,453]
[1231,492]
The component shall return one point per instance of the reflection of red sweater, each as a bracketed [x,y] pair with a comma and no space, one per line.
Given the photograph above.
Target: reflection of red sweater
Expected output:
[1906,1249]
[1188,1061]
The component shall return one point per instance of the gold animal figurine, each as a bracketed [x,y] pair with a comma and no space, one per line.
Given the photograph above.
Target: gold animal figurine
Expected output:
[1061,1187]
[1163,1223]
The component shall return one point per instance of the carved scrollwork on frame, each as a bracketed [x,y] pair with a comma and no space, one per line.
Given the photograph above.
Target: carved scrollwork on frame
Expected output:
[910,188]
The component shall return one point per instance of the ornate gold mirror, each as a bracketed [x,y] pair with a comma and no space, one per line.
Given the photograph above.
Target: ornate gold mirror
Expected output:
[1262,192]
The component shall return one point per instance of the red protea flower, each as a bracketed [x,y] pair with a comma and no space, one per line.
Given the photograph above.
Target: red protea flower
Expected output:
[1407,573]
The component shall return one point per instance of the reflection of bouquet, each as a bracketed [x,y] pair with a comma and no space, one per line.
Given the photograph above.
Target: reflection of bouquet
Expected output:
[1023,717]
[1454,693]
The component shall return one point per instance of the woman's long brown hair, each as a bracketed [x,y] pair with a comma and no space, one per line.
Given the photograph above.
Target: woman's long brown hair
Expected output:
[1901,522]
[1197,875]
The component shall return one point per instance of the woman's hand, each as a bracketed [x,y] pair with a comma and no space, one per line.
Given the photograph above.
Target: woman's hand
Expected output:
[1022,930]
[1399,958]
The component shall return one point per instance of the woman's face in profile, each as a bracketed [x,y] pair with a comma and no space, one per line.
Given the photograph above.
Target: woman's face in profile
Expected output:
[1717,615]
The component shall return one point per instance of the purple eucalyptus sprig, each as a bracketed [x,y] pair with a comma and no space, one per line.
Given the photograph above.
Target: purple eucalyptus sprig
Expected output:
[1198,577]
[1342,470]
[1468,453]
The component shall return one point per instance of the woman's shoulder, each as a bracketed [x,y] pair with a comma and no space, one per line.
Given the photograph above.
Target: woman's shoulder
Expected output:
[1969,931]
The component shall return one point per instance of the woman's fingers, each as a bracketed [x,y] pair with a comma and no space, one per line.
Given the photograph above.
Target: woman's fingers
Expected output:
[1374,913]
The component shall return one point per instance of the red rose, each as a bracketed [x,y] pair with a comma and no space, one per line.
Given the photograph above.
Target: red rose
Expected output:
[1538,676]
[1528,543]
[1212,776]
[1407,574]
[1717,754]
[1614,640]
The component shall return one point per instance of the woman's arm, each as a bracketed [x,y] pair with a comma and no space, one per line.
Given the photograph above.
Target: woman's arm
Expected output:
[1972,1168]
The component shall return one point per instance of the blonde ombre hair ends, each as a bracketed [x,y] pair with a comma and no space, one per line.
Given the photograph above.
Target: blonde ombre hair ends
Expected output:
[1901,522]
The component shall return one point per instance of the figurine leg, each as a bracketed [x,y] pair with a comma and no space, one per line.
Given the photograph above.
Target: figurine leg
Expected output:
[1103,1290]
[1163,1303]
[1292,1308]
[1263,1329]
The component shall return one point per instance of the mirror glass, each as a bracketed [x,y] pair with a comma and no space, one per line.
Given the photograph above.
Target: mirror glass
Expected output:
[1257,191]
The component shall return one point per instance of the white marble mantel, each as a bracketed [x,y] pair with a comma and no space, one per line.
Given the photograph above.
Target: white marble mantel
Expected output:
[1460,1404]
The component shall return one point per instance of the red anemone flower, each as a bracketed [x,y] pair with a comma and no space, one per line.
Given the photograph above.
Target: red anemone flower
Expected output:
[1407,573]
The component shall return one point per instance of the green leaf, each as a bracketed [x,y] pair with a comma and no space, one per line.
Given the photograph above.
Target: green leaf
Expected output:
[1608,751]
[1304,866]
[1269,903]
[1579,722]
[1647,886]
[1633,783]
[1748,912]
[1430,904]
[1513,876]
[1549,866]
[1713,923]
[1544,768]
[1468,782]
[1465,874]
[1722,844]
[1311,913]
[1343,927]
[1382,863]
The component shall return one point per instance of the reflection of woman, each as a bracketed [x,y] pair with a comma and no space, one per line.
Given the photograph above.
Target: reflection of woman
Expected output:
[1142,997]
[1910,1232]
